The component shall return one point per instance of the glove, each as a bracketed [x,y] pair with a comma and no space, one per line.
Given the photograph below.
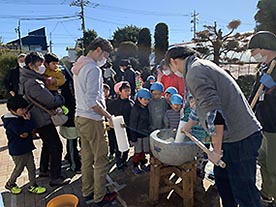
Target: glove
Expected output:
[267,81]
[214,157]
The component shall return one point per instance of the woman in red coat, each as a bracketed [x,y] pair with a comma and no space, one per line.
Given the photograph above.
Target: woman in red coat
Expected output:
[170,79]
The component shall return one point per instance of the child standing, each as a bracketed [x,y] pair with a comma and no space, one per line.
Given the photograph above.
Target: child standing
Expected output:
[20,143]
[173,115]
[157,107]
[121,106]
[168,93]
[139,130]
[190,116]
[53,75]
[109,130]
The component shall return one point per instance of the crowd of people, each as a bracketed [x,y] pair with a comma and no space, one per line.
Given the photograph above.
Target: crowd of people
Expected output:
[185,87]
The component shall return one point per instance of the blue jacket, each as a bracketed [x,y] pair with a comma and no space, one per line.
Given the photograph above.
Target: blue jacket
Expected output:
[15,126]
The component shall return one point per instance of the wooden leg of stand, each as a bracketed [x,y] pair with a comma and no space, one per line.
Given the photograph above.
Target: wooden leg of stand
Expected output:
[154,180]
[187,188]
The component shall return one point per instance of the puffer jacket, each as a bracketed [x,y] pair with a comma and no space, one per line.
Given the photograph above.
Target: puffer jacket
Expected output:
[32,85]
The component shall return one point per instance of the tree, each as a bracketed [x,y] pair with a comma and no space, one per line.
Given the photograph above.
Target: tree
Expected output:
[89,36]
[8,60]
[126,50]
[246,83]
[144,47]
[161,43]
[128,33]
[265,16]
[212,43]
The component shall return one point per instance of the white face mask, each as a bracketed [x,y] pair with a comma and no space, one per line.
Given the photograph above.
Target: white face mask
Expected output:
[41,69]
[177,73]
[101,62]
[259,58]
[166,72]
[21,65]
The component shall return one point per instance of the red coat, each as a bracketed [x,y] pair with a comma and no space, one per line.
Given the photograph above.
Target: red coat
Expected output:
[175,81]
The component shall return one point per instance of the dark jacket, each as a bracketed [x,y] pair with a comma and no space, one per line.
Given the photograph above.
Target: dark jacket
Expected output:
[32,85]
[15,126]
[266,110]
[11,80]
[122,107]
[67,91]
[139,122]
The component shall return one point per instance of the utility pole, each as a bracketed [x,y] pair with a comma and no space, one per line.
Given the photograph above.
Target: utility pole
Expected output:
[81,4]
[194,21]
[51,43]
[18,30]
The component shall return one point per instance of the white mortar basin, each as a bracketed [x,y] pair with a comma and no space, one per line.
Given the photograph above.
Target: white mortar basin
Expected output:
[168,152]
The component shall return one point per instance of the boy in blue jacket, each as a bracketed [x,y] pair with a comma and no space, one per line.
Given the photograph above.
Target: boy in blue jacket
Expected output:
[20,143]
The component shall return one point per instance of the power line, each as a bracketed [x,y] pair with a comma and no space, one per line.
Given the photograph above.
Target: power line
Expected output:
[134,11]
[106,21]
[49,18]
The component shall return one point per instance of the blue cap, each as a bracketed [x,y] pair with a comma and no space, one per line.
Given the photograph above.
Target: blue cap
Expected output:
[143,93]
[176,99]
[151,77]
[172,90]
[157,86]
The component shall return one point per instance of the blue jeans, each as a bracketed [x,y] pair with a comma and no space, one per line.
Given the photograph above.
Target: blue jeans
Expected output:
[236,182]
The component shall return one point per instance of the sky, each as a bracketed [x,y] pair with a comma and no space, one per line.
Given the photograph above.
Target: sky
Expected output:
[105,16]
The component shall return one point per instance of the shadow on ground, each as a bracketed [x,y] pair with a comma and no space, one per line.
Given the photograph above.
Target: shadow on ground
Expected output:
[133,192]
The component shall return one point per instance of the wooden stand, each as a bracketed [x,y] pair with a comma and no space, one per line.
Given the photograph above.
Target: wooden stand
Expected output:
[160,172]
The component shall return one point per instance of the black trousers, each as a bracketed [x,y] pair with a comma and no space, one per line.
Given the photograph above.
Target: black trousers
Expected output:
[51,150]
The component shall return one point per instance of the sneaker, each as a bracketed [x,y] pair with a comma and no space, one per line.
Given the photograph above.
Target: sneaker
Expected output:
[36,189]
[145,168]
[120,166]
[59,181]
[137,171]
[211,175]
[89,198]
[108,198]
[266,199]
[13,188]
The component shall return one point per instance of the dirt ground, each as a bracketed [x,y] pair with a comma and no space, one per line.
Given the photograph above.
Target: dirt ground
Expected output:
[133,190]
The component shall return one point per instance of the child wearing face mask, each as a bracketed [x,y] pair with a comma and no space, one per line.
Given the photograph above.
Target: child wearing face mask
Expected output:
[171,79]
[54,78]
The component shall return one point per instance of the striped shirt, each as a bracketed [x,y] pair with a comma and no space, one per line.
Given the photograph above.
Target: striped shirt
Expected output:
[172,119]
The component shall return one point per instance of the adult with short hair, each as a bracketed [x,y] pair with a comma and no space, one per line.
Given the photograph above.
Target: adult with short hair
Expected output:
[127,73]
[263,49]
[226,115]
[11,80]
[33,87]
[90,113]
